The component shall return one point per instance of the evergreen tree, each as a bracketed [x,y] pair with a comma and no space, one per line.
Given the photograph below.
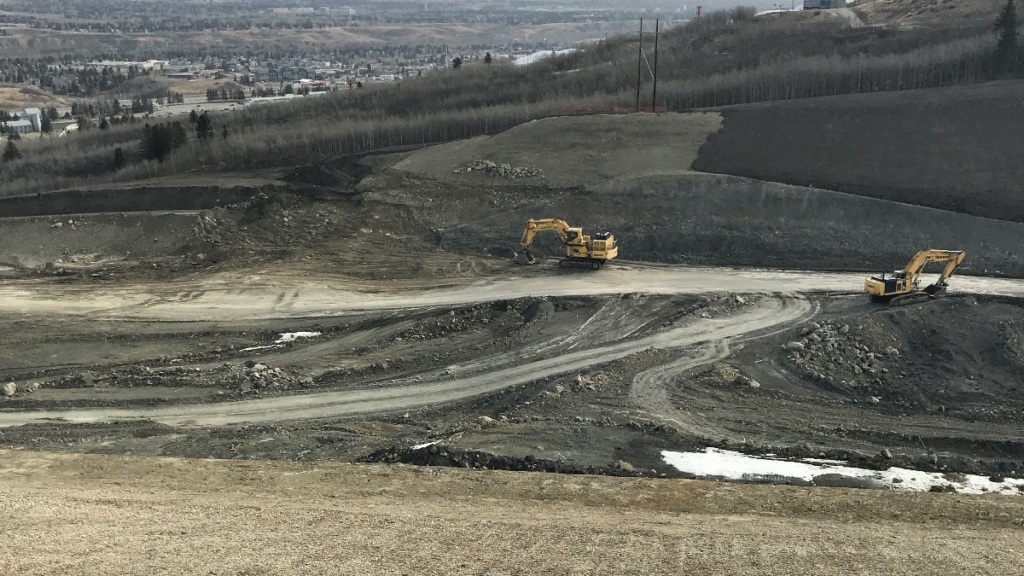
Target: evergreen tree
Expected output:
[487,58]
[46,125]
[224,131]
[11,152]
[1006,24]
[193,117]
[457,63]
[204,128]
[118,158]
[104,124]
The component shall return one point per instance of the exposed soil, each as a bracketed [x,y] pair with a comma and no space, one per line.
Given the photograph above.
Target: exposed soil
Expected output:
[164,333]
[944,148]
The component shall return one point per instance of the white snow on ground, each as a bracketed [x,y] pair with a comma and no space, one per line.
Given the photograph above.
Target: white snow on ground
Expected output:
[531,58]
[715,463]
[292,336]
[283,339]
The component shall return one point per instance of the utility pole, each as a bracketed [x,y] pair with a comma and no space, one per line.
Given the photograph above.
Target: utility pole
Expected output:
[639,61]
[654,93]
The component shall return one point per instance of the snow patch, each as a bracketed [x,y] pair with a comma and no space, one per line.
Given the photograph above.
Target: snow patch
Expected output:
[536,56]
[714,463]
[293,336]
[282,340]
[428,444]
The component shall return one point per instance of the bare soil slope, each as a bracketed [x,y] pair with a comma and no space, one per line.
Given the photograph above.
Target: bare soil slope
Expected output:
[946,148]
[576,151]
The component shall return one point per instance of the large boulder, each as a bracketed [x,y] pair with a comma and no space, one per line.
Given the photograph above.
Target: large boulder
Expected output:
[9,389]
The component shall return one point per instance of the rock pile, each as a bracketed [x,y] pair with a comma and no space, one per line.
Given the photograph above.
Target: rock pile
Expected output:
[503,170]
[835,353]
[257,376]
[722,373]
[11,388]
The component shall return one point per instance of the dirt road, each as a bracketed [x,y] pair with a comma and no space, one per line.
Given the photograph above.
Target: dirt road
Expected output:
[774,304]
[263,295]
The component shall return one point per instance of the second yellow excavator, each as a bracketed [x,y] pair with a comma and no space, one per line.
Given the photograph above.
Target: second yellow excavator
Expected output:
[580,249]
[903,286]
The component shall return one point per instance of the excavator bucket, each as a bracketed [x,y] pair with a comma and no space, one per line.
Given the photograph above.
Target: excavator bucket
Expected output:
[524,258]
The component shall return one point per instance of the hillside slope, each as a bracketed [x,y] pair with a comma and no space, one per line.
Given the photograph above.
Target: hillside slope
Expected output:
[947,148]
[927,13]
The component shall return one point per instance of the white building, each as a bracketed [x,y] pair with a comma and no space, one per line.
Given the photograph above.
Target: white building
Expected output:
[17,127]
[35,116]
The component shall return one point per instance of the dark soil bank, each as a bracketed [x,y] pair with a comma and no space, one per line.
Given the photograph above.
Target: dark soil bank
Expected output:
[946,148]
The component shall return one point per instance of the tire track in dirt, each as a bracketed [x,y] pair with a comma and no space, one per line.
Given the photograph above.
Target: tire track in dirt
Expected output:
[649,390]
[761,314]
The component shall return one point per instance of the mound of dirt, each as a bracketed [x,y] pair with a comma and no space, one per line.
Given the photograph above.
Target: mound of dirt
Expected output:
[947,148]
[443,455]
[342,173]
[575,151]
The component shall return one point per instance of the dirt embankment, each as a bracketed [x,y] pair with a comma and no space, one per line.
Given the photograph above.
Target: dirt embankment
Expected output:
[949,148]
[157,196]
[604,173]
[575,151]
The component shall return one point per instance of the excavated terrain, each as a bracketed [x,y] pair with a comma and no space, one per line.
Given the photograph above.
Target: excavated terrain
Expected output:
[368,310]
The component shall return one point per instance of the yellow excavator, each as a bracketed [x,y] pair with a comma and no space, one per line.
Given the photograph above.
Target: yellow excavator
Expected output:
[903,286]
[580,250]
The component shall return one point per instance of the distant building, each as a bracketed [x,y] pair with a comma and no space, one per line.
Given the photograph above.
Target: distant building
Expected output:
[17,127]
[35,116]
[823,4]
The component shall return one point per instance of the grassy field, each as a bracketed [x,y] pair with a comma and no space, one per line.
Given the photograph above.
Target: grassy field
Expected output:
[143,515]
[32,43]
[17,97]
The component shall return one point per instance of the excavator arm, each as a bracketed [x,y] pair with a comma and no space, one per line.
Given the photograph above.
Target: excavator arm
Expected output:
[952,258]
[903,286]
[535,226]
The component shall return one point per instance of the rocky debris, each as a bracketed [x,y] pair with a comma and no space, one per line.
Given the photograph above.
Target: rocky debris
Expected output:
[591,382]
[260,377]
[9,389]
[501,170]
[443,455]
[245,377]
[485,421]
[837,353]
[721,373]
[208,226]
[538,311]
